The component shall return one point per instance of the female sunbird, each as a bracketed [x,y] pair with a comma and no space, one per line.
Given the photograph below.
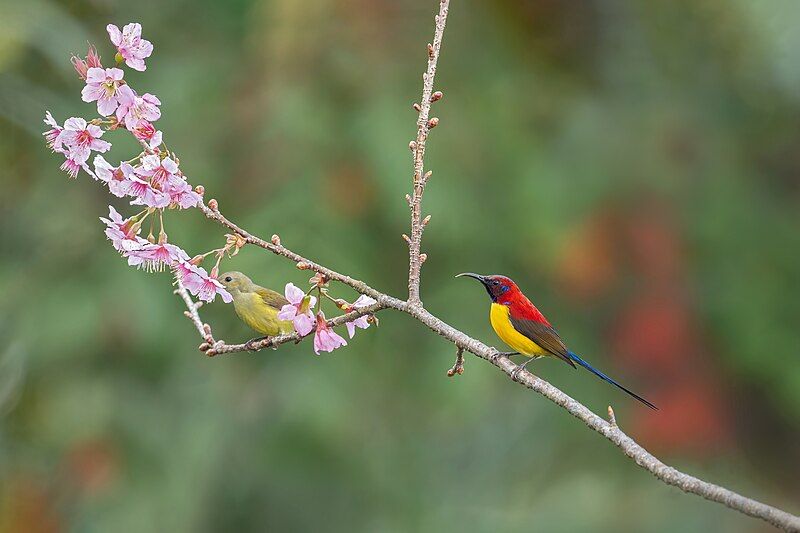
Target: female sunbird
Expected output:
[257,306]
[525,329]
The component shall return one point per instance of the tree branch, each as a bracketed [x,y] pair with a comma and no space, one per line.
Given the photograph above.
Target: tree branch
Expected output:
[413,307]
[424,125]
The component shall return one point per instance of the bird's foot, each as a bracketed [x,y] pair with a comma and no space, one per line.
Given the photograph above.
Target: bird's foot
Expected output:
[250,345]
[497,355]
[520,368]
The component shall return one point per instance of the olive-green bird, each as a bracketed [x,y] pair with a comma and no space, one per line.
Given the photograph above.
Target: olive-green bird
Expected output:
[257,306]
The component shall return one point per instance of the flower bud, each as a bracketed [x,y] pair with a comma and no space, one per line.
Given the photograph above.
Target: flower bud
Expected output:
[436,96]
[417,107]
[423,258]
[213,205]
[215,271]
[196,260]
[276,240]
[426,220]
[302,265]
[432,123]
[200,190]
[412,145]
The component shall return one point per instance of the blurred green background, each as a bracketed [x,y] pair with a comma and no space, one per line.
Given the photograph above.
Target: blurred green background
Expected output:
[633,165]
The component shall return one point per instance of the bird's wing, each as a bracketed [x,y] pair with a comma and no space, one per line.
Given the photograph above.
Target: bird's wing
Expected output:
[271,298]
[543,335]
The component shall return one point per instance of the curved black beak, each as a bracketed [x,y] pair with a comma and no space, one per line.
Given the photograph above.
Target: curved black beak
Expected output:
[480,278]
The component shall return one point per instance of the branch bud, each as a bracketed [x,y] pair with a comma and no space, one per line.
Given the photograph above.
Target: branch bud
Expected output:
[213,205]
[428,174]
[276,240]
[412,145]
[406,238]
[417,107]
[423,258]
[436,96]
[408,199]
[302,265]
[426,220]
[432,123]
[430,50]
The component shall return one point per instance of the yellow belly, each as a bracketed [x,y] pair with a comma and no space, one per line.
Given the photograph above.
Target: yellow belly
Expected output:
[259,316]
[518,342]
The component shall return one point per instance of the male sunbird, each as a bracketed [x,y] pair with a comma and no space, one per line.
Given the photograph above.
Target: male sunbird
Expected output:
[257,306]
[525,329]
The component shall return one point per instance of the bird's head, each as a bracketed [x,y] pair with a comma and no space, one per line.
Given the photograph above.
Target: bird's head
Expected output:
[236,282]
[501,289]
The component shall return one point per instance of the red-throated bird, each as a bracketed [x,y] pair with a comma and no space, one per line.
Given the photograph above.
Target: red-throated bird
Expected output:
[525,329]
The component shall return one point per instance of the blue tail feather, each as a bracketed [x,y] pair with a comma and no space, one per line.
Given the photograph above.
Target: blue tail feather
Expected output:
[575,357]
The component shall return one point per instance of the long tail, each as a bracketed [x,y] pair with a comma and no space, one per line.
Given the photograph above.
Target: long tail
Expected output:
[575,357]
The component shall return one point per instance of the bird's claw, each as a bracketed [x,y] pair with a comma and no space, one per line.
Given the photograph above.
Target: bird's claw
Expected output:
[250,345]
[516,371]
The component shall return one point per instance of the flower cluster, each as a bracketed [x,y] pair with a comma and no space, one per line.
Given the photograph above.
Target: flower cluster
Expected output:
[154,181]
[299,311]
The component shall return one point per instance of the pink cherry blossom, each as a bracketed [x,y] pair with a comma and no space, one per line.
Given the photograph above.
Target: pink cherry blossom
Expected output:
[159,171]
[134,108]
[74,163]
[298,310]
[181,193]
[82,138]
[54,136]
[325,339]
[144,131]
[362,321]
[130,45]
[198,282]
[142,191]
[102,86]
[123,234]
[114,177]
[154,257]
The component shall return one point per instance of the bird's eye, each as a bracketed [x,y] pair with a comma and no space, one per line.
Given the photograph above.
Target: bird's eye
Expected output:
[228,279]
[495,282]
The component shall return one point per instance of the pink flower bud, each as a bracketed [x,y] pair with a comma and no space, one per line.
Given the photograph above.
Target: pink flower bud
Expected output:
[436,96]
[200,190]
[276,240]
[213,205]
[432,123]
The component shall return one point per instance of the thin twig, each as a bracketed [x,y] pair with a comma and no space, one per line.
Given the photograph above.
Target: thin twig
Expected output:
[203,329]
[458,366]
[424,125]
